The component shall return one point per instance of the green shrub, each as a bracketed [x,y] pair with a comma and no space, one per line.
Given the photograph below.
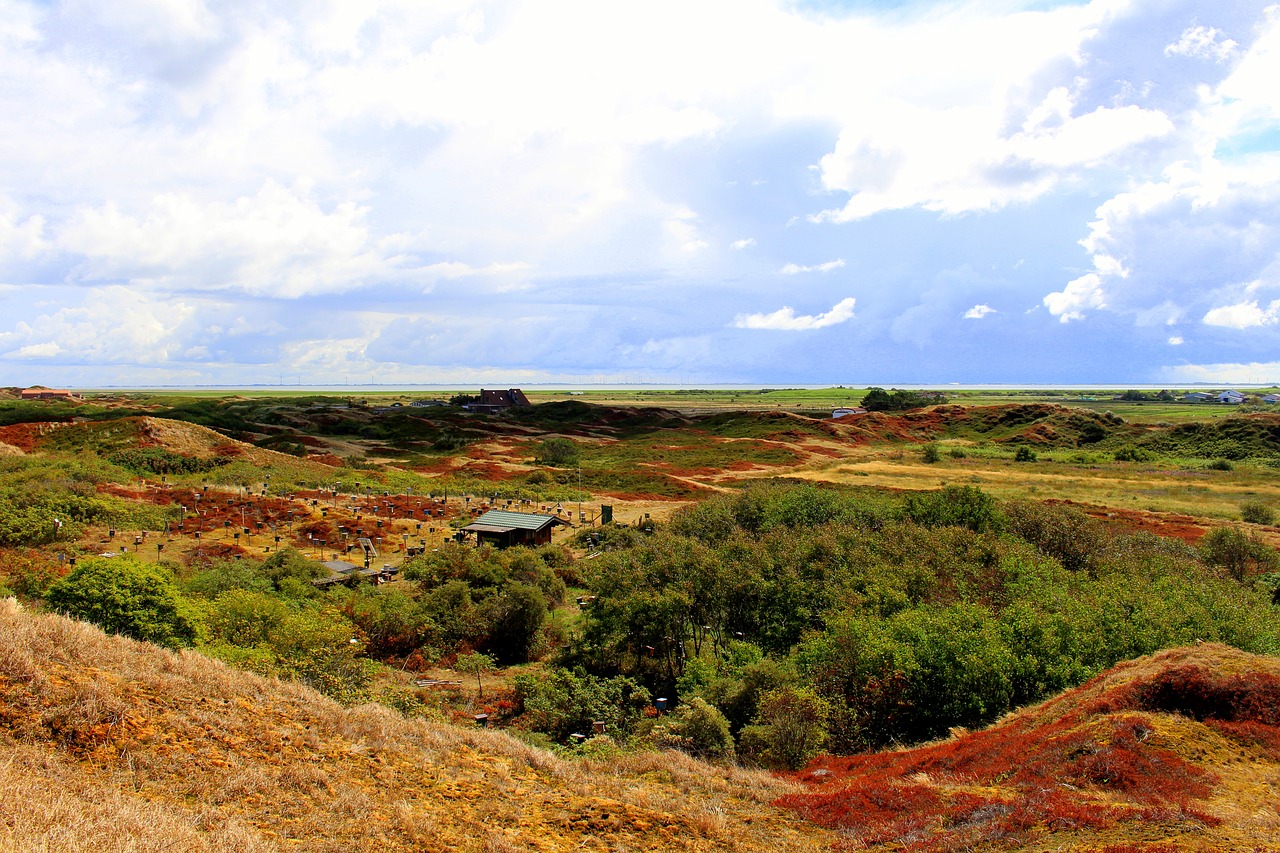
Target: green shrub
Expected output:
[1024,454]
[698,729]
[958,506]
[1220,465]
[930,454]
[1257,512]
[392,622]
[789,729]
[515,618]
[895,400]
[1062,532]
[290,639]
[1133,454]
[157,460]
[558,452]
[564,702]
[124,596]
[1238,552]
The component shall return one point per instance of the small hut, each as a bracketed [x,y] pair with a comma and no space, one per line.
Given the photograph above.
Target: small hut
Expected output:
[505,529]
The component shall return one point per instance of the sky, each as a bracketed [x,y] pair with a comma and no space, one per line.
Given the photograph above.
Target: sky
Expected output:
[673,192]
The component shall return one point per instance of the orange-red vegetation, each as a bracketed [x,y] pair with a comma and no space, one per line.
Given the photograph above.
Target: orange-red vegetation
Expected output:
[1130,748]
[26,437]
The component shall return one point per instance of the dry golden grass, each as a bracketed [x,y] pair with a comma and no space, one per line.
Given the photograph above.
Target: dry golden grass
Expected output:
[113,745]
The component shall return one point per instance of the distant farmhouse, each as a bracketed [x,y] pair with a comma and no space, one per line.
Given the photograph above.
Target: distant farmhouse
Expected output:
[845,412]
[1228,397]
[493,402]
[38,393]
[1271,398]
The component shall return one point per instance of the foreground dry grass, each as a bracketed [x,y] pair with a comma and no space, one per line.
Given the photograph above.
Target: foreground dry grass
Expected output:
[112,745]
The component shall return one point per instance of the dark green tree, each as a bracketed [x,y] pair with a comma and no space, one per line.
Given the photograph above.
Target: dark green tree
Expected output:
[515,622]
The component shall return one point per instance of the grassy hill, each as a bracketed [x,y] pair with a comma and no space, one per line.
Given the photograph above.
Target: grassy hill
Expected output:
[114,745]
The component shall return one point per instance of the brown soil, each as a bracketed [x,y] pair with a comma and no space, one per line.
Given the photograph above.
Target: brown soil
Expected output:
[1172,525]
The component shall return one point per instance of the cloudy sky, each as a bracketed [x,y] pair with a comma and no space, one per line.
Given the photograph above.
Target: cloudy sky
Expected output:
[675,191]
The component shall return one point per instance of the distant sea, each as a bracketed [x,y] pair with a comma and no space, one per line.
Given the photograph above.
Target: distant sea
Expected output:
[394,387]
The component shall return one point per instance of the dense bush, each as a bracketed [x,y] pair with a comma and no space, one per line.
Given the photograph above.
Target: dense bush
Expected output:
[790,729]
[558,451]
[492,600]
[1133,454]
[697,728]
[1257,512]
[1062,532]
[290,639]
[954,506]
[1240,553]
[124,596]
[1231,438]
[951,614]
[156,460]
[880,400]
[565,702]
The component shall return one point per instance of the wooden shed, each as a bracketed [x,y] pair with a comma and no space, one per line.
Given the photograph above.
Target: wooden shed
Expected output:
[504,529]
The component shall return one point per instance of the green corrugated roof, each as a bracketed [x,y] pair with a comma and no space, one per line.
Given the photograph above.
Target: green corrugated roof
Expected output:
[518,520]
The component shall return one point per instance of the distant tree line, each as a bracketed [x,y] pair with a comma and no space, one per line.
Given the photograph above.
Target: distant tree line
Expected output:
[895,400]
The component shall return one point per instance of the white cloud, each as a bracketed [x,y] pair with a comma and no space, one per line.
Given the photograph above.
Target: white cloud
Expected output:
[977,312]
[1176,341]
[1203,42]
[47,349]
[682,232]
[1089,139]
[785,318]
[960,160]
[795,269]
[1243,315]
[429,155]
[25,238]
[1081,293]
[978,141]
[112,325]
[276,242]
[155,21]
[1253,373]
